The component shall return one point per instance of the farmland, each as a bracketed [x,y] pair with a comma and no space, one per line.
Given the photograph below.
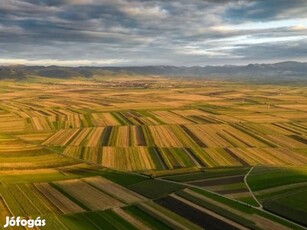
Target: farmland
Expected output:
[285,190]
[177,154]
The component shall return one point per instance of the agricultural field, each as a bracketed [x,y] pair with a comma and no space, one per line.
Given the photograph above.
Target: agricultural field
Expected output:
[229,182]
[107,153]
[284,192]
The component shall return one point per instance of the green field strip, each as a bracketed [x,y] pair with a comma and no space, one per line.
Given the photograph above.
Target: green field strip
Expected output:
[121,119]
[238,139]
[105,192]
[71,138]
[79,222]
[82,153]
[165,158]
[275,176]
[185,157]
[11,202]
[200,154]
[299,139]
[39,202]
[248,200]
[118,118]
[186,177]
[290,206]
[203,120]
[124,179]
[146,218]
[155,188]
[73,199]
[221,211]
[281,125]
[139,121]
[36,155]
[117,221]
[98,221]
[267,194]
[125,118]
[141,139]
[87,121]
[183,117]
[207,159]
[195,213]
[32,178]
[133,118]
[24,153]
[245,208]
[174,161]
[25,203]
[146,113]
[224,187]
[148,137]
[54,222]
[158,160]
[86,138]
[166,216]
[207,109]
[4,212]
[257,137]
[194,157]
[113,136]
[237,158]
[209,174]
[105,137]
[186,140]
[193,136]
[99,157]
[299,127]
[232,141]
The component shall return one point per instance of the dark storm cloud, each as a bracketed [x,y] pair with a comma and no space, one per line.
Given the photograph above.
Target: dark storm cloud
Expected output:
[135,32]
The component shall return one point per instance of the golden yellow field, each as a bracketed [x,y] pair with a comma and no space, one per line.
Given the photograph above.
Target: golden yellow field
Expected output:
[90,150]
[166,125]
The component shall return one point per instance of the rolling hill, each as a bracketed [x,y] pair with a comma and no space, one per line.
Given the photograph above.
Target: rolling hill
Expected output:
[289,71]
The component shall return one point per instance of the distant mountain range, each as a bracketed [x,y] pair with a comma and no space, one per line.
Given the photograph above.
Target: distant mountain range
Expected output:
[278,71]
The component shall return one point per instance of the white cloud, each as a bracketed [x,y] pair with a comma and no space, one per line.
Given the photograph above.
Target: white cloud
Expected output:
[47,62]
[136,32]
[145,11]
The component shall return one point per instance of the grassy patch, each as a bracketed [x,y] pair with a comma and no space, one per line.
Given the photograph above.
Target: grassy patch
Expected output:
[291,207]
[155,188]
[146,218]
[208,174]
[269,177]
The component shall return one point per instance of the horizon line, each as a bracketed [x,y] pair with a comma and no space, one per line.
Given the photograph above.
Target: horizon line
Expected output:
[141,66]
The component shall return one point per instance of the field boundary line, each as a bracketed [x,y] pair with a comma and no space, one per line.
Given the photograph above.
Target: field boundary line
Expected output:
[240,202]
[202,188]
[250,190]
[161,179]
[78,159]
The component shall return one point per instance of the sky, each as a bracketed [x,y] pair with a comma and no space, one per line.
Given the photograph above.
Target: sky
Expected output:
[152,32]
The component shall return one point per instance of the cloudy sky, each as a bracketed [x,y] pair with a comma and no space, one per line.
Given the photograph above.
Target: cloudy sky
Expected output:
[152,32]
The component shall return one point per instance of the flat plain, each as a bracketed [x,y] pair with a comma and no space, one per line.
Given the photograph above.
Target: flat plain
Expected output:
[153,153]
